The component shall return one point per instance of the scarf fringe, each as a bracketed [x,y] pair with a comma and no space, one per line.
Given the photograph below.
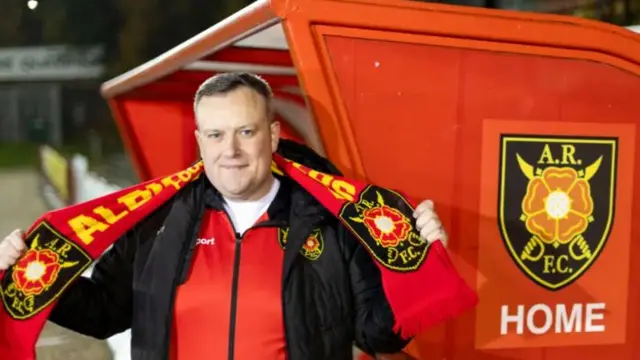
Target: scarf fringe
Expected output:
[443,295]
[439,311]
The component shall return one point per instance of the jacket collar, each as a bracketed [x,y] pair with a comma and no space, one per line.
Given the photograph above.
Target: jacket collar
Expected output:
[291,202]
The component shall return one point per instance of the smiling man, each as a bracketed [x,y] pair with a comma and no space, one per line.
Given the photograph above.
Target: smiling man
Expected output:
[243,264]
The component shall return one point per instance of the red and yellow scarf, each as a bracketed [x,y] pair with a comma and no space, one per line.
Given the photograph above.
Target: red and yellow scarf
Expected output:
[419,280]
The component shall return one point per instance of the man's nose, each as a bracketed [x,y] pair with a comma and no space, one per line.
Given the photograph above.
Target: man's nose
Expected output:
[231,146]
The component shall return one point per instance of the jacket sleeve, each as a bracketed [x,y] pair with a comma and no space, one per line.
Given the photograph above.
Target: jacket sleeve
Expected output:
[100,306]
[374,320]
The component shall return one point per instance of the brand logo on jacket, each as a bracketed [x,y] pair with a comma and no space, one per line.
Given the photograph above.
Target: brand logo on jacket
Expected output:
[206,242]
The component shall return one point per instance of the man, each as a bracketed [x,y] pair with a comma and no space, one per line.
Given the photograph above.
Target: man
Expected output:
[244,264]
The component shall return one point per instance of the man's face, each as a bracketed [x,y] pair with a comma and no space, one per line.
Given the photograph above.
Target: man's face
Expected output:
[236,143]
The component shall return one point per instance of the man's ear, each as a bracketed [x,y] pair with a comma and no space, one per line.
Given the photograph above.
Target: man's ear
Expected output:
[275,135]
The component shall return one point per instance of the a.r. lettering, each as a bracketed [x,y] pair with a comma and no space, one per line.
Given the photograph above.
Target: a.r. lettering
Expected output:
[567,157]
[58,246]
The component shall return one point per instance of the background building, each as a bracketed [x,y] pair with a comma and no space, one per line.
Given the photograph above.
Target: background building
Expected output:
[48,94]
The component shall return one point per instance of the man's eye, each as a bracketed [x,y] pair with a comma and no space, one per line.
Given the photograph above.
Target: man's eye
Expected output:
[246,132]
[213,135]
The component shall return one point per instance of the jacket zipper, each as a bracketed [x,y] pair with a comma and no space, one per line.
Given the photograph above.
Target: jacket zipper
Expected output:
[234,282]
[234,295]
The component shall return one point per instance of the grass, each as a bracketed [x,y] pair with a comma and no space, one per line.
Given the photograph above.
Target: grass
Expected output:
[18,155]
[26,155]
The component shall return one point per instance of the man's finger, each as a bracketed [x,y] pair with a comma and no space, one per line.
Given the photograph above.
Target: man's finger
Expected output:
[427,222]
[18,233]
[16,241]
[429,232]
[422,207]
[433,235]
[13,256]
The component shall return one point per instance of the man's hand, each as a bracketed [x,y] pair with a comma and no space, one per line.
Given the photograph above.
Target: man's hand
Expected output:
[11,248]
[428,223]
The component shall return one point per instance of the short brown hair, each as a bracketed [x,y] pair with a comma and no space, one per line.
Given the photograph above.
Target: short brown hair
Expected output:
[227,82]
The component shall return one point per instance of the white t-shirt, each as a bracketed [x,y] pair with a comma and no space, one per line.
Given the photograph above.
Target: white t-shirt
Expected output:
[244,214]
